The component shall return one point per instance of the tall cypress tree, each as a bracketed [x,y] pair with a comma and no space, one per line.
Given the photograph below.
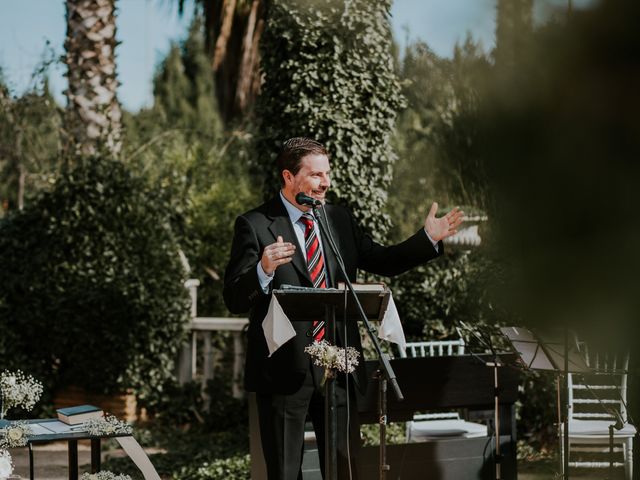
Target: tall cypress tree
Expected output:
[514,26]
[329,74]
[184,93]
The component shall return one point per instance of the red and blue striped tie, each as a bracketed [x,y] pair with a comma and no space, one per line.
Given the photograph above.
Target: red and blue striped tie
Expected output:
[315,265]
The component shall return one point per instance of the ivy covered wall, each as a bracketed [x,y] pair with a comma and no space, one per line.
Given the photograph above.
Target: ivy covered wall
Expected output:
[329,74]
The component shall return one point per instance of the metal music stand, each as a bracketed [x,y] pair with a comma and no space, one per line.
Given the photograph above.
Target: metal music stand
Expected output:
[552,353]
[494,363]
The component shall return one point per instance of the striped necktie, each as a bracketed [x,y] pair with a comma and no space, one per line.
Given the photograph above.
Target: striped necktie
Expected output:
[315,265]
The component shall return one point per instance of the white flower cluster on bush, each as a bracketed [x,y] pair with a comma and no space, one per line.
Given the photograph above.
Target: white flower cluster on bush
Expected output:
[105,475]
[6,465]
[108,425]
[18,390]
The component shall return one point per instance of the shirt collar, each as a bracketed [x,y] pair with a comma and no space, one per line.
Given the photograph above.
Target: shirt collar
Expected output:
[294,212]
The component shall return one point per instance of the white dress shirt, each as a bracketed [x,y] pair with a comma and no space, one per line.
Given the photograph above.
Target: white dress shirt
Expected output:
[295,214]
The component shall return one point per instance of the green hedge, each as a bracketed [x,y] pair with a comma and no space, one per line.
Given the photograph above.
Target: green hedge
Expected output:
[91,287]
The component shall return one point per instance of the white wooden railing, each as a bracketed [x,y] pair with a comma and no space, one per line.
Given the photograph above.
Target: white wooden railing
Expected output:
[201,328]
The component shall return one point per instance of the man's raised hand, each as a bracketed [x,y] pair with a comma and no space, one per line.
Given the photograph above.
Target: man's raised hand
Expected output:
[276,254]
[443,227]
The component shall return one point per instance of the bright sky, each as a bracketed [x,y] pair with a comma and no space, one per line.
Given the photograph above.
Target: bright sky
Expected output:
[146,29]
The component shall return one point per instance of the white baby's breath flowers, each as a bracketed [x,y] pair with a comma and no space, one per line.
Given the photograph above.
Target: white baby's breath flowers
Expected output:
[332,358]
[108,425]
[18,390]
[6,464]
[105,475]
[15,434]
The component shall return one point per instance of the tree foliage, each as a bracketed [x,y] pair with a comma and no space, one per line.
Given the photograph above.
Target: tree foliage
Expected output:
[90,286]
[183,90]
[437,134]
[437,142]
[179,143]
[329,75]
[30,138]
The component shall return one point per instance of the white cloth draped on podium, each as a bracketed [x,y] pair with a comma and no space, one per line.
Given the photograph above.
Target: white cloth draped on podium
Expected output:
[278,329]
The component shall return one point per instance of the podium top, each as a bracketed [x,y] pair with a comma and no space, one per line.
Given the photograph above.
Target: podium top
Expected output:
[304,304]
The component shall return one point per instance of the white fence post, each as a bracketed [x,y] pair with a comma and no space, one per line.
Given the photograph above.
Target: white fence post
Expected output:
[204,327]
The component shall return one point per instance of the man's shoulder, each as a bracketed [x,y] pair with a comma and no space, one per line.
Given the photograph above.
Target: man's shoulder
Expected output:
[337,208]
[338,212]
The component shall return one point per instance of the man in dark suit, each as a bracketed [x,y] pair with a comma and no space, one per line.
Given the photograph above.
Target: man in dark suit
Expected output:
[279,243]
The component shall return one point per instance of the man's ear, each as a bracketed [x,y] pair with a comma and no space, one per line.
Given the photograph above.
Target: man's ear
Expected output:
[287,176]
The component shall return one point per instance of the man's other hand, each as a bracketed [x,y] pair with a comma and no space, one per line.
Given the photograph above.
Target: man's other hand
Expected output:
[276,254]
[443,227]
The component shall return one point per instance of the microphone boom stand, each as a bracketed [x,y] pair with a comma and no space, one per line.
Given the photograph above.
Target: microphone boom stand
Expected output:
[386,373]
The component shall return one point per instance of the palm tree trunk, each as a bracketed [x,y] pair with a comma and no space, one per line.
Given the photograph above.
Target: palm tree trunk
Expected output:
[94,115]
[232,34]
[250,58]
[220,51]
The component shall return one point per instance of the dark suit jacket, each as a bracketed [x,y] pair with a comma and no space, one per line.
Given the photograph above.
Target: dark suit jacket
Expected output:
[285,370]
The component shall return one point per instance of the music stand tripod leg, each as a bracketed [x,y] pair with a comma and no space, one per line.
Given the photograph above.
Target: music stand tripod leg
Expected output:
[496,417]
[560,423]
[383,466]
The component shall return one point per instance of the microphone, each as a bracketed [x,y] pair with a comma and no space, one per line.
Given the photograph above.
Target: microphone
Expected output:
[303,199]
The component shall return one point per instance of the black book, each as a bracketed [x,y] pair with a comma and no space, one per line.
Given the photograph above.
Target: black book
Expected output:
[79,414]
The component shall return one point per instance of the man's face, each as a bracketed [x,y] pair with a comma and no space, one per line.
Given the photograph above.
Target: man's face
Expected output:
[312,179]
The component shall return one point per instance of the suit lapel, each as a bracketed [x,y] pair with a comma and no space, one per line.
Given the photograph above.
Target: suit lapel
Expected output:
[281,225]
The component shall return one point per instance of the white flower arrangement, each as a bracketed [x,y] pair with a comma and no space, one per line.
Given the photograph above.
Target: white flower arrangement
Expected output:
[334,359]
[107,425]
[15,434]
[6,464]
[18,390]
[104,475]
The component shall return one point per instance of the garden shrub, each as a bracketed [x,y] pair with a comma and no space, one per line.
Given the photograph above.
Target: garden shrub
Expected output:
[91,287]
[233,468]
[184,405]
[433,297]
[190,453]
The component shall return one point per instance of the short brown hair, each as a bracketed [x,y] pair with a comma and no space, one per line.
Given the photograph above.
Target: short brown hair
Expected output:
[294,150]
